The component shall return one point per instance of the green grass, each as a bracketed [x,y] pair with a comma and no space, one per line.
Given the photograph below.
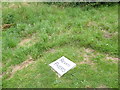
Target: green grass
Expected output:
[54,32]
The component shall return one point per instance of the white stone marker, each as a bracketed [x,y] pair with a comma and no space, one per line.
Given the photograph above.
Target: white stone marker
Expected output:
[62,65]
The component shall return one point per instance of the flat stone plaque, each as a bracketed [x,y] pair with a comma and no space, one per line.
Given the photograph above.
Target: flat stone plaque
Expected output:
[62,65]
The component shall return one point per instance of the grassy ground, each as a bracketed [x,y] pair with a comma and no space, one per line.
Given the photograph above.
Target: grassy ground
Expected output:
[42,33]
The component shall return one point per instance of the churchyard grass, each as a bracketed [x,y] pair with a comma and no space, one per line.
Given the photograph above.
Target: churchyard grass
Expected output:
[42,33]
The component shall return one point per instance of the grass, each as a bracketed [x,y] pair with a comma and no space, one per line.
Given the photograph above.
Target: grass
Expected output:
[87,37]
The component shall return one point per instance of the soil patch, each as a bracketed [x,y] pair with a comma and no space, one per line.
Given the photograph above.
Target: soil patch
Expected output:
[114,59]
[52,50]
[106,34]
[88,50]
[91,23]
[21,66]
[24,42]
[102,86]
[87,60]
[5,26]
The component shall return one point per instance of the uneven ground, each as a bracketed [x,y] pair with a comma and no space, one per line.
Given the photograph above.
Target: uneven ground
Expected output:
[36,34]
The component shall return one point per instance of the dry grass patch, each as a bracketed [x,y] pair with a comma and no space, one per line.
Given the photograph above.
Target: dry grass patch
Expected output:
[52,50]
[106,34]
[5,26]
[37,76]
[87,60]
[27,42]
[102,86]
[1,75]
[88,50]
[87,57]
[14,6]
[25,3]
[88,54]
[24,42]
[114,59]
[91,23]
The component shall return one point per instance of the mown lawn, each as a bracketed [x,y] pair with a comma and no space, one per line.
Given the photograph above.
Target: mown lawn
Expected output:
[42,33]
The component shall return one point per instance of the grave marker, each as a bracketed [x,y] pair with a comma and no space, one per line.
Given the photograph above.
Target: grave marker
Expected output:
[62,65]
